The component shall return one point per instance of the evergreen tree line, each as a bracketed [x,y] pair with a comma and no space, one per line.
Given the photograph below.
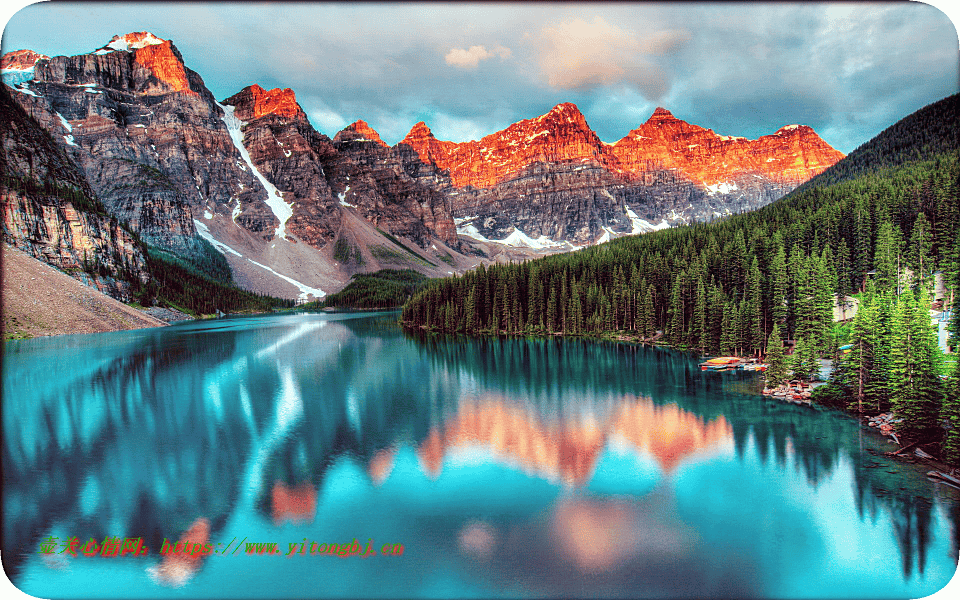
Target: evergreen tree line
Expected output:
[387,288]
[181,286]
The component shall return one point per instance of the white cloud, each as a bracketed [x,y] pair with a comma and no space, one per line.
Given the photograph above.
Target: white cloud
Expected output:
[581,54]
[469,59]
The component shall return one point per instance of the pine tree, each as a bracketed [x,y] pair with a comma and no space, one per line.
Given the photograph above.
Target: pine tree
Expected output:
[950,413]
[859,361]
[777,370]
[471,310]
[551,323]
[753,315]
[650,326]
[877,389]
[803,361]
[824,282]
[887,258]
[862,227]
[843,288]
[916,389]
[675,327]
[727,329]
[698,329]
[576,309]
[778,288]
[921,245]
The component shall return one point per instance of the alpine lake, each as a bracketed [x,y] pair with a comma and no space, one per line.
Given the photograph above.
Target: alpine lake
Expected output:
[462,467]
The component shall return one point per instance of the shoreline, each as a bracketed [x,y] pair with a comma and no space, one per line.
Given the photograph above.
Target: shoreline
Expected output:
[809,402]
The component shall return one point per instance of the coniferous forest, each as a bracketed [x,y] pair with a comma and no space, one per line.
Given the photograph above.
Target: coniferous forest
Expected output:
[877,227]
[387,288]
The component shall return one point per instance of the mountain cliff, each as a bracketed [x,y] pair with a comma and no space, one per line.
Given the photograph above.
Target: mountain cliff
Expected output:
[553,179]
[50,212]
[248,175]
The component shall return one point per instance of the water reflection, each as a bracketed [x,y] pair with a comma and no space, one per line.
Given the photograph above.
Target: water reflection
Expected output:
[565,447]
[622,477]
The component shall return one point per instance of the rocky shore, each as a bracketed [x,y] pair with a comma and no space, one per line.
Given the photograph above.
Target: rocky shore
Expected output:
[39,300]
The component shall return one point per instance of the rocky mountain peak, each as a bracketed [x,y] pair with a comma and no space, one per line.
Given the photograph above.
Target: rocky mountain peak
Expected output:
[158,55]
[20,60]
[418,131]
[426,145]
[661,114]
[566,111]
[795,130]
[361,128]
[253,102]
[131,41]
[359,131]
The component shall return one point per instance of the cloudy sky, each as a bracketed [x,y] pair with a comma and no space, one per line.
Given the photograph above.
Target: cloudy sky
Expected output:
[846,69]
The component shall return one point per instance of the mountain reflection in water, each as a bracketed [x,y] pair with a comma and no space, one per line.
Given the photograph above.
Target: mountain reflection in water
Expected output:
[565,448]
[517,467]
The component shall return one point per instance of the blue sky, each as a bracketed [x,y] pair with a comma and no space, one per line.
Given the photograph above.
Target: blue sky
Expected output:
[846,69]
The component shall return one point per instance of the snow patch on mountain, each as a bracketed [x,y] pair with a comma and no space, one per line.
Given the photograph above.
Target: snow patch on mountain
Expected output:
[642,225]
[305,290]
[23,89]
[608,234]
[343,198]
[517,238]
[14,77]
[130,41]
[204,232]
[722,188]
[66,124]
[281,209]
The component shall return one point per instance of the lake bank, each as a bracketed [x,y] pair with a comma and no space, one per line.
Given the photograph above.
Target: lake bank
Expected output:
[39,301]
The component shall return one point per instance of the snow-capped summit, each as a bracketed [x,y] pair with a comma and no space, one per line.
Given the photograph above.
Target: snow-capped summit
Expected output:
[131,41]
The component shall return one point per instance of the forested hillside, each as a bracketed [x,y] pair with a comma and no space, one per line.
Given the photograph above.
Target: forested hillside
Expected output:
[721,287]
[387,288]
[924,135]
[727,286]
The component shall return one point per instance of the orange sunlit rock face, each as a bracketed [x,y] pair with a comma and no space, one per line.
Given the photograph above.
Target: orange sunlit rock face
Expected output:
[166,66]
[791,155]
[253,102]
[561,134]
[20,59]
[359,130]
[297,504]
[568,451]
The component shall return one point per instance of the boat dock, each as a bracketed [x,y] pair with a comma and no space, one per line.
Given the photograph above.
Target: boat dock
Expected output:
[732,363]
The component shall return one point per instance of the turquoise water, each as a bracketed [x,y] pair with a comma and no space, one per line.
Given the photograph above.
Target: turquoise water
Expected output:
[504,468]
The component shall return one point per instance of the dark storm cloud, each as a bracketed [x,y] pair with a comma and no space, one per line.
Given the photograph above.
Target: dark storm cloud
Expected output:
[846,69]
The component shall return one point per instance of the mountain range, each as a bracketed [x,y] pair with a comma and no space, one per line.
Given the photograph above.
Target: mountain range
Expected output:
[296,213]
